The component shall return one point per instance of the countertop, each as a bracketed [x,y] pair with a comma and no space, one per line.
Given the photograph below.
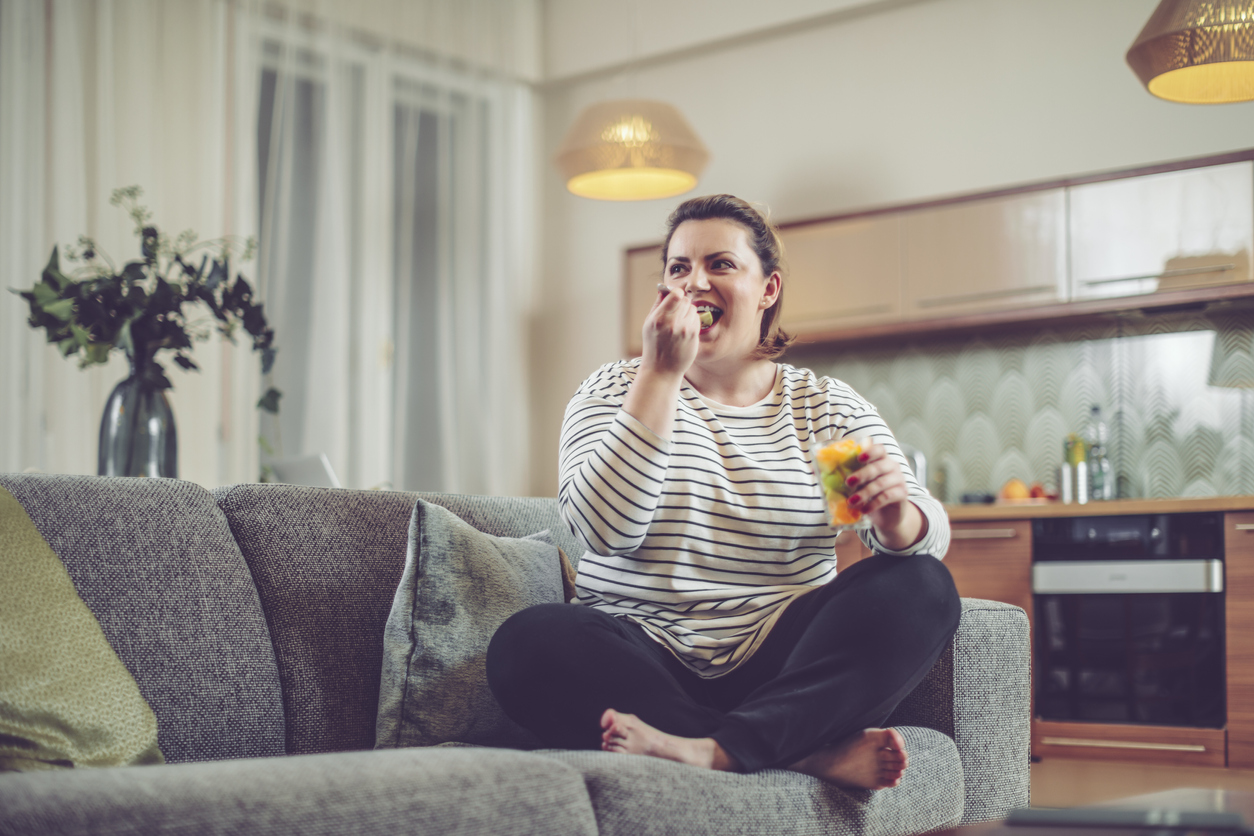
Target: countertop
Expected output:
[1032,509]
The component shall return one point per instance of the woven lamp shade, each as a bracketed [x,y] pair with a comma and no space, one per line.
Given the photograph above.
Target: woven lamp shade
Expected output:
[1197,51]
[631,149]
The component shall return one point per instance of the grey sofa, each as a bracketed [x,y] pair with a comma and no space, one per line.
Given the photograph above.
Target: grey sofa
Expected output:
[251,619]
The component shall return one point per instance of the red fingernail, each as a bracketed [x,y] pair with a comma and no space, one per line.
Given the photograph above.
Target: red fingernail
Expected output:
[864,457]
[852,481]
[855,500]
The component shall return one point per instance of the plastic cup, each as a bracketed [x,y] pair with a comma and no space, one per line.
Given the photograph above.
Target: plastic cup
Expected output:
[833,461]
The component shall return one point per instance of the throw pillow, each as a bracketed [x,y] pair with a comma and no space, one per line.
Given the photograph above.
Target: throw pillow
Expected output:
[66,699]
[459,584]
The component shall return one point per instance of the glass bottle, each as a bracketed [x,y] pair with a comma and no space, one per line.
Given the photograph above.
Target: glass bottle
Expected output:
[1101,480]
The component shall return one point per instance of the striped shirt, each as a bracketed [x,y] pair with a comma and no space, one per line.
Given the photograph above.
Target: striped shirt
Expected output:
[703,539]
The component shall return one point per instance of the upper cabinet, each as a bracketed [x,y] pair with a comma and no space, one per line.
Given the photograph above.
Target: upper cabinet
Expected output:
[1160,232]
[986,255]
[841,273]
[1083,247]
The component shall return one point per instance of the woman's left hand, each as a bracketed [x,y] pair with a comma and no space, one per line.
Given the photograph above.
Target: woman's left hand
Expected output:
[883,495]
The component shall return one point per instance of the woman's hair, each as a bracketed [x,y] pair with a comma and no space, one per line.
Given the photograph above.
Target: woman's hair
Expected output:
[763,238]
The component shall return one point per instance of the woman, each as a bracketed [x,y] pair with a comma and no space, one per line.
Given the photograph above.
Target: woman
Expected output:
[712,627]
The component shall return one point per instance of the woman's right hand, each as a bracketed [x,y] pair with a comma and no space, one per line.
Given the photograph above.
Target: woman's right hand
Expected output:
[671,332]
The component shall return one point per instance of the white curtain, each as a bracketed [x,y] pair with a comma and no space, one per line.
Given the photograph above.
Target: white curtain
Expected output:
[396,260]
[95,96]
[390,190]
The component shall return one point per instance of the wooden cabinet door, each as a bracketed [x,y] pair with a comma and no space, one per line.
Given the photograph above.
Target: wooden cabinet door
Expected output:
[1239,635]
[1160,232]
[841,274]
[642,269]
[986,255]
[993,560]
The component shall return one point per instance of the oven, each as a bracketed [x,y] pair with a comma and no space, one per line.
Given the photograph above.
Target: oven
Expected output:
[1129,615]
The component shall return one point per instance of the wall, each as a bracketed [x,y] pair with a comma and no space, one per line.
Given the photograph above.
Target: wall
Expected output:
[987,409]
[900,103]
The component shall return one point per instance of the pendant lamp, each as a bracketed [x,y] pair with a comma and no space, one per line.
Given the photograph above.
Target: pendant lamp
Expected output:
[631,149]
[1197,51]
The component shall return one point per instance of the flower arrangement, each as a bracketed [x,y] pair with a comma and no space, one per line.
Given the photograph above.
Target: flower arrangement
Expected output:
[147,306]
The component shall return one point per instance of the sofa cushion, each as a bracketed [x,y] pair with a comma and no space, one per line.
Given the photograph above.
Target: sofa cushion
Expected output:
[634,795]
[155,562]
[452,792]
[327,564]
[66,699]
[458,586]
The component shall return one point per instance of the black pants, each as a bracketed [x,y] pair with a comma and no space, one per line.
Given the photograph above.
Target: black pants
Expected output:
[838,660]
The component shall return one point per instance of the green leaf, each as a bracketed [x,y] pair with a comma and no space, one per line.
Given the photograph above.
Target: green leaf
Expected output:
[267,359]
[62,309]
[270,401]
[95,353]
[44,294]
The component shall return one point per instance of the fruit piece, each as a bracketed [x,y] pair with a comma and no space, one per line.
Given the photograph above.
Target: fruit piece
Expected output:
[843,453]
[841,513]
[707,319]
[1037,491]
[1015,489]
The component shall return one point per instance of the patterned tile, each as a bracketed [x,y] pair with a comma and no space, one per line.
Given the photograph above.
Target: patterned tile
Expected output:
[987,409]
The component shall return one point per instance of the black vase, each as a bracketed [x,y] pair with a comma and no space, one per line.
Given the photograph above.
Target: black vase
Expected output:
[137,435]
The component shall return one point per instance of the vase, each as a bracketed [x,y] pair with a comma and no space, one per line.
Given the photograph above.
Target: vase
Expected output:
[137,435]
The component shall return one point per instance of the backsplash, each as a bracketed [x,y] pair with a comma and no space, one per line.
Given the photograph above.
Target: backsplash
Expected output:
[987,409]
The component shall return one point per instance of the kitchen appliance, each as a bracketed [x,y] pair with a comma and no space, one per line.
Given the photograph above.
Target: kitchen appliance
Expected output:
[1130,619]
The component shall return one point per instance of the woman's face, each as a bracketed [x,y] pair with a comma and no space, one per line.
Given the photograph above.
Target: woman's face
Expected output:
[714,262]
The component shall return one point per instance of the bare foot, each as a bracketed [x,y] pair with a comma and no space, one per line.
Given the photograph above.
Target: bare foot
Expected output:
[628,733]
[872,759]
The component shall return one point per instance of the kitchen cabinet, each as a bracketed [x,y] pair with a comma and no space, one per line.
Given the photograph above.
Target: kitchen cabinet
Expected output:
[842,274]
[1160,232]
[984,255]
[1077,249]
[993,560]
[1239,613]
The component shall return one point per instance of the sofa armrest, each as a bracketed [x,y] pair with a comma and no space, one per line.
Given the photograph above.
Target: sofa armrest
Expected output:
[979,693]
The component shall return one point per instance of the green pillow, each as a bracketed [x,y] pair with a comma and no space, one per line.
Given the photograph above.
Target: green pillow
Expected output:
[66,699]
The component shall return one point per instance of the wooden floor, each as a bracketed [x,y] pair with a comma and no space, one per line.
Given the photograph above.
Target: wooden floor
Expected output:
[1070,783]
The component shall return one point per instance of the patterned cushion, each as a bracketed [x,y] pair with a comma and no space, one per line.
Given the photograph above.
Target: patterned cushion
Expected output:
[438,791]
[458,586]
[327,564]
[641,796]
[155,562]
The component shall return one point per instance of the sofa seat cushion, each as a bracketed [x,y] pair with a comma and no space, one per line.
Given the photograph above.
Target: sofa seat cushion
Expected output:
[634,795]
[453,792]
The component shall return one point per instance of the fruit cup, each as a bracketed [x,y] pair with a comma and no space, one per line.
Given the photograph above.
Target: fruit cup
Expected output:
[833,462]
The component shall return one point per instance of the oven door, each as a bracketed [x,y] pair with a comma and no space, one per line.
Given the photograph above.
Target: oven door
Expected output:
[1130,642]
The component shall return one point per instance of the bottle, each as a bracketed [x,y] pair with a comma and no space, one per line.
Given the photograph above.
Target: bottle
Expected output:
[1101,480]
[1073,479]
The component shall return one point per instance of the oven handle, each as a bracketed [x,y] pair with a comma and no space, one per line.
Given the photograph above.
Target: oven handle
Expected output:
[1127,576]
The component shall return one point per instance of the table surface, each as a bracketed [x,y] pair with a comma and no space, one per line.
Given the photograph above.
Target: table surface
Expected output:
[1187,799]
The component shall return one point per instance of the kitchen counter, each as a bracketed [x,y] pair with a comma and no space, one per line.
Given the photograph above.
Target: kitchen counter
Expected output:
[1032,509]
